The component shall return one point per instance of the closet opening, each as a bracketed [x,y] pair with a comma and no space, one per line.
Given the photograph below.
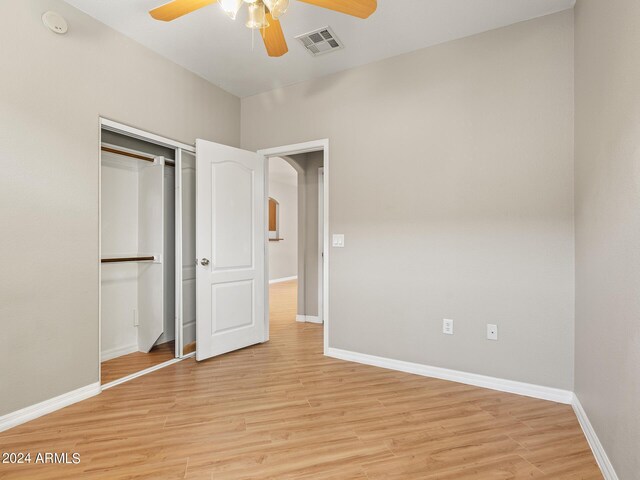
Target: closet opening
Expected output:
[147,225]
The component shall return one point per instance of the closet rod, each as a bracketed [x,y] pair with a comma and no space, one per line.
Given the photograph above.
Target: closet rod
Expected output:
[168,163]
[128,259]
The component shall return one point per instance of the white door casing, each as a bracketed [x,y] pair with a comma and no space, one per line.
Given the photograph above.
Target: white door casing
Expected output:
[230,249]
[306,147]
[320,243]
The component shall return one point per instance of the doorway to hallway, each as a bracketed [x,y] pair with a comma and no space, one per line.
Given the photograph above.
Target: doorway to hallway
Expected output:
[301,264]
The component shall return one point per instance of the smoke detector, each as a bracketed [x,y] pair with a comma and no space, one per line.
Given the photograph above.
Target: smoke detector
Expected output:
[55,22]
[320,41]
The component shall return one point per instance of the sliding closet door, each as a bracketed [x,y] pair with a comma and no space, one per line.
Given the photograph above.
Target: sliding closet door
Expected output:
[185,247]
[151,242]
[178,257]
[188,196]
[230,248]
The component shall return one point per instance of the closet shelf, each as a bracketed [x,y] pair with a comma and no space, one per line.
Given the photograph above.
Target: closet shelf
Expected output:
[146,158]
[149,258]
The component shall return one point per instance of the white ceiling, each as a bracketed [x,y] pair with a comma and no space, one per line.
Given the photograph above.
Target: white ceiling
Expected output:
[211,45]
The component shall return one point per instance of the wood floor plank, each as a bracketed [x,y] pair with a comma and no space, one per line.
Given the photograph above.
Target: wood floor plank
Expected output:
[135,362]
[283,411]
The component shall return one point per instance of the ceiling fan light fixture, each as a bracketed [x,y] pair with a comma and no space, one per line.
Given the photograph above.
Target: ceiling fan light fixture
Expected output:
[231,7]
[277,7]
[257,16]
[262,16]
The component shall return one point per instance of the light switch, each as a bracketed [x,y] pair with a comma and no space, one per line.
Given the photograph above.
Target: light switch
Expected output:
[338,240]
[447,326]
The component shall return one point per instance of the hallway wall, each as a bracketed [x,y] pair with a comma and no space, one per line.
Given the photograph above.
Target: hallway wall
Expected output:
[283,187]
[308,286]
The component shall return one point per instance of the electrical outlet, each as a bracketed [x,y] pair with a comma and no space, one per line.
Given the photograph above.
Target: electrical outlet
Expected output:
[492,332]
[337,240]
[447,326]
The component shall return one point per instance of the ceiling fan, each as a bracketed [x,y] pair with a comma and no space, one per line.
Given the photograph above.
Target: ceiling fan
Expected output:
[264,15]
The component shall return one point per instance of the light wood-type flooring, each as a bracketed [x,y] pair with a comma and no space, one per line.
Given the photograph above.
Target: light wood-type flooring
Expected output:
[282,410]
[134,362]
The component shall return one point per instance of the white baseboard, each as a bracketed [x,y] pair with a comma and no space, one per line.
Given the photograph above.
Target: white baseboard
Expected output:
[283,279]
[308,319]
[119,381]
[118,352]
[32,412]
[596,447]
[502,385]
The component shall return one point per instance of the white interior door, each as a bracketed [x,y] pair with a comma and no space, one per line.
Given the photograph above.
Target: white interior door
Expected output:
[230,249]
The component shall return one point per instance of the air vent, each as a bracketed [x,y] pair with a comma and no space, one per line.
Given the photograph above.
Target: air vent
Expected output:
[320,41]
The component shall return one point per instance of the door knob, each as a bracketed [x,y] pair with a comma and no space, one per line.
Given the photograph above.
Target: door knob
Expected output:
[204,262]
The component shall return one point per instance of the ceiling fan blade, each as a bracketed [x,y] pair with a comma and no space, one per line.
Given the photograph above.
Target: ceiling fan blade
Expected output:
[357,8]
[273,38]
[177,8]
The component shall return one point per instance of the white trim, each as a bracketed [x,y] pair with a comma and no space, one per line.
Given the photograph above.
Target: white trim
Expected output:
[599,453]
[118,352]
[99,256]
[32,412]
[283,279]
[308,319]
[493,383]
[178,259]
[325,248]
[143,135]
[265,183]
[320,241]
[168,363]
[294,149]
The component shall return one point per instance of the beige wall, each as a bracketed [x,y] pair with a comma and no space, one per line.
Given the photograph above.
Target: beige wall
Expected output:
[283,255]
[452,179]
[608,225]
[53,88]
[308,165]
[313,162]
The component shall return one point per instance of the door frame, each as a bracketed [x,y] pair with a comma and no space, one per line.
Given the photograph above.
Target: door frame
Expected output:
[294,149]
[320,242]
[117,127]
